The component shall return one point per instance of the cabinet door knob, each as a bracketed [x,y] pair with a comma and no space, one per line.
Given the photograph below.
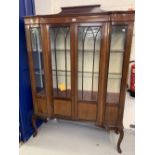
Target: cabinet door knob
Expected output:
[73,19]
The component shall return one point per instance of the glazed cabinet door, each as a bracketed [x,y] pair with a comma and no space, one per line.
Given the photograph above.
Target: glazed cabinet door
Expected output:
[60,53]
[37,71]
[120,44]
[90,39]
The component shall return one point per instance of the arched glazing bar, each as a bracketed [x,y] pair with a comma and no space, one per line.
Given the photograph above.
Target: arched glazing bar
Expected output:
[55,54]
[66,35]
[83,41]
[95,37]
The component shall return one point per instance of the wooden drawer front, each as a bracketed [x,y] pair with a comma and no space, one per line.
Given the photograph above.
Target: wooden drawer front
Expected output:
[87,111]
[42,105]
[111,115]
[62,107]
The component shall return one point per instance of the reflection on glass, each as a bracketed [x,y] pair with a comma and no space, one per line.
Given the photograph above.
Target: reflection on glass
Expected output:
[118,38]
[117,49]
[37,59]
[60,52]
[89,39]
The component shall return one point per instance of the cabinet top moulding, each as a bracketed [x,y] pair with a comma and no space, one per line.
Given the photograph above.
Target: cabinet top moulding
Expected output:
[80,14]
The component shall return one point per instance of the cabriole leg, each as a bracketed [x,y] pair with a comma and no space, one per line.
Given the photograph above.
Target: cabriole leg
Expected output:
[121,132]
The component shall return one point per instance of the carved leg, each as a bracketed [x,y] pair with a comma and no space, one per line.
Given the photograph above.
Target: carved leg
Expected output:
[34,118]
[120,140]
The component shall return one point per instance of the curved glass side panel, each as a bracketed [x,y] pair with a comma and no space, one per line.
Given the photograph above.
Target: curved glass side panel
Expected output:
[117,50]
[37,59]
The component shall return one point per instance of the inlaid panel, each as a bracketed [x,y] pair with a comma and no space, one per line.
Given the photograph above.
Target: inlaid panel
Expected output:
[62,107]
[87,111]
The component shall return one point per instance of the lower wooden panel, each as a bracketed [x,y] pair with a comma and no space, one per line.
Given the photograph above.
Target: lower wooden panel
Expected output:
[87,111]
[42,105]
[111,114]
[62,107]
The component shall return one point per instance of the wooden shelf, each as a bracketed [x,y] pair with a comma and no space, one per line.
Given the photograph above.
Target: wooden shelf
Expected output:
[68,50]
[61,94]
[116,51]
[114,75]
[87,51]
[89,74]
[87,96]
[112,98]
[60,50]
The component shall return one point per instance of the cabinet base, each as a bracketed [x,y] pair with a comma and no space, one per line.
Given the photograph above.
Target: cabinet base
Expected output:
[118,130]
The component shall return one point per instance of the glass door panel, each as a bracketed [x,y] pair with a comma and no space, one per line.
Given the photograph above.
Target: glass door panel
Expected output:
[37,60]
[61,68]
[89,40]
[117,50]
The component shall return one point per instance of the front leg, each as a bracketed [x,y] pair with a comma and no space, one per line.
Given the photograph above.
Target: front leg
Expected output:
[121,131]
[34,118]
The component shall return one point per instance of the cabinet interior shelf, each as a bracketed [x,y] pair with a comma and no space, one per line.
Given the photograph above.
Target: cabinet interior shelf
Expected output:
[89,73]
[85,51]
[116,51]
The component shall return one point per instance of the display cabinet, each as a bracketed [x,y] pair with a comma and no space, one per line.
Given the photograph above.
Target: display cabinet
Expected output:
[78,61]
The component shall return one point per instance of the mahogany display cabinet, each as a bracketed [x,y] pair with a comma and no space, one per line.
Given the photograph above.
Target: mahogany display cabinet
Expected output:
[78,62]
